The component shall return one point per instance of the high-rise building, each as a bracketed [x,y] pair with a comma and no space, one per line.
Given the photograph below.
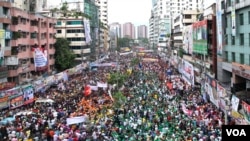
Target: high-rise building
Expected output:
[128,30]
[116,29]
[142,31]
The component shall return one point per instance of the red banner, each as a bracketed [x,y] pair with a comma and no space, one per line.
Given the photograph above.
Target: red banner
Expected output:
[7,85]
[87,90]
[3,102]
[246,109]
[16,102]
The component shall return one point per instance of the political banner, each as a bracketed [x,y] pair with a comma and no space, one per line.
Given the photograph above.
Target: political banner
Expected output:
[16,102]
[2,43]
[87,31]
[40,58]
[76,120]
[246,110]
[219,27]
[4,102]
[235,103]
[28,95]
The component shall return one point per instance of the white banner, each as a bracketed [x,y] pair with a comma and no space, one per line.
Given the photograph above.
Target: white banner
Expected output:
[235,103]
[76,120]
[233,18]
[40,57]
[102,85]
[87,31]
[94,88]
[219,27]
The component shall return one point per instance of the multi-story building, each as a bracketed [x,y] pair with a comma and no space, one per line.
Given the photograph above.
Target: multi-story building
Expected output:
[29,32]
[233,52]
[185,18]
[73,30]
[142,31]
[128,30]
[116,29]
[104,30]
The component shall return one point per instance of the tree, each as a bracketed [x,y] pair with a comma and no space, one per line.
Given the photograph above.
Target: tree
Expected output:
[123,42]
[117,78]
[64,9]
[63,55]
[119,99]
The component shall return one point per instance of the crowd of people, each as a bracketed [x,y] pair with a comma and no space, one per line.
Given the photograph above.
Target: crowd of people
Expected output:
[158,107]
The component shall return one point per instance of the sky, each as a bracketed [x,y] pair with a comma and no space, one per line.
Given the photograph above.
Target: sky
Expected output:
[134,11]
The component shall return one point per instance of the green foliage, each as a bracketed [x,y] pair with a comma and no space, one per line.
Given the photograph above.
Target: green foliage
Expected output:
[63,55]
[119,99]
[135,61]
[144,40]
[124,42]
[181,51]
[117,78]
[64,9]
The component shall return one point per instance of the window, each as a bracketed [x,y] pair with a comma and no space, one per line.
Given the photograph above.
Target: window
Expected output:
[222,5]
[226,22]
[233,57]
[59,23]
[226,56]
[76,39]
[226,39]
[242,58]
[74,23]
[241,19]
[33,35]
[241,39]
[233,40]
[248,17]
[59,31]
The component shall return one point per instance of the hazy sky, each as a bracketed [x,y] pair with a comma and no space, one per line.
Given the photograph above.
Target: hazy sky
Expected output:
[135,11]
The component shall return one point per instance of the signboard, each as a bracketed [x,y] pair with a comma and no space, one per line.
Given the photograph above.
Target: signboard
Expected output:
[187,70]
[235,103]
[7,85]
[246,110]
[16,102]
[11,60]
[3,102]
[200,37]
[28,95]
[241,70]
[2,43]
[211,90]
[233,18]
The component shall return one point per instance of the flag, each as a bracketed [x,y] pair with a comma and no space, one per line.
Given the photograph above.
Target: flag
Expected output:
[87,90]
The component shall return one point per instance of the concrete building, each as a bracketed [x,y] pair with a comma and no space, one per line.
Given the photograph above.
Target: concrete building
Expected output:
[234,58]
[116,29]
[73,30]
[30,5]
[128,30]
[29,32]
[142,31]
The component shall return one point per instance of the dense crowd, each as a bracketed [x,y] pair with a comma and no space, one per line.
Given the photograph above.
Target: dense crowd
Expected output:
[157,108]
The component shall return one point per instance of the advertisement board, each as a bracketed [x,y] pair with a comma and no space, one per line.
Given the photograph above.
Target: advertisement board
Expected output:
[16,102]
[187,70]
[200,37]
[3,102]
[188,39]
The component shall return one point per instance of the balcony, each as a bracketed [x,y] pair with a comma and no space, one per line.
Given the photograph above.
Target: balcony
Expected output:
[5,3]
[33,41]
[20,27]
[33,29]
[5,19]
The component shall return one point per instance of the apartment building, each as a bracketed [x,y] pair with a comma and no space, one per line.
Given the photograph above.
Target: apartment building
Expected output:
[128,30]
[142,31]
[29,32]
[73,30]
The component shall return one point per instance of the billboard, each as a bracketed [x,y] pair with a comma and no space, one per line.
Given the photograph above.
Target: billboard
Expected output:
[187,71]
[219,27]
[188,39]
[200,37]
[233,18]
[40,58]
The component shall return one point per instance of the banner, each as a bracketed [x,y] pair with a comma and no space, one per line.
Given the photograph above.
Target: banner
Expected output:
[49,80]
[233,18]
[28,95]
[221,92]
[246,110]
[94,88]
[102,85]
[38,85]
[87,90]
[4,102]
[235,103]
[87,31]
[2,43]
[76,120]
[40,58]
[200,45]
[187,70]
[16,102]
[211,90]
[219,27]
[188,39]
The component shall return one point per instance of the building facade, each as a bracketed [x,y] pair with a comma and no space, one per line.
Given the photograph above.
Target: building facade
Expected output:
[128,30]
[142,31]
[30,34]
[116,29]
